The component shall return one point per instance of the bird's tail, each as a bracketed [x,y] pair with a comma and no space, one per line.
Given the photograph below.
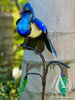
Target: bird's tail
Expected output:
[53,49]
[49,44]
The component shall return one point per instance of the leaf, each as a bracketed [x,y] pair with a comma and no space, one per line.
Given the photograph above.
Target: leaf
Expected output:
[23,84]
[62,85]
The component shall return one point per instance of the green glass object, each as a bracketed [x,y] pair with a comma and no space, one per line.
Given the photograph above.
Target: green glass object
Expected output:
[62,85]
[23,84]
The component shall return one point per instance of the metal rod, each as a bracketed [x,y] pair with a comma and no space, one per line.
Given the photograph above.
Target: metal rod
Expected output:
[58,62]
[35,74]
[44,68]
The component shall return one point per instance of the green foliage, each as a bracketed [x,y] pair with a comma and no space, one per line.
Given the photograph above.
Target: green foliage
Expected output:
[22,2]
[6,5]
[5,2]
[18,52]
[15,15]
[8,90]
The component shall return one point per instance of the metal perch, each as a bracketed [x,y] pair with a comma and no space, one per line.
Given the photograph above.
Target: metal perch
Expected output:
[57,62]
[45,68]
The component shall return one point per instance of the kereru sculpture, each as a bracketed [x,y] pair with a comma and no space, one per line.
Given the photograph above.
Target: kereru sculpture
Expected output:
[32,28]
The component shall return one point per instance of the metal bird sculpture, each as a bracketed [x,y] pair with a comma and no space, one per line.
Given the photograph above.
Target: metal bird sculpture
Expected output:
[32,28]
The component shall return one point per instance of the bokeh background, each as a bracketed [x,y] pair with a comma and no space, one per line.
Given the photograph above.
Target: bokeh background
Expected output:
[11,54]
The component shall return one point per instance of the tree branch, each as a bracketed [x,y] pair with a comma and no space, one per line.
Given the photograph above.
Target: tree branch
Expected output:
[17,5]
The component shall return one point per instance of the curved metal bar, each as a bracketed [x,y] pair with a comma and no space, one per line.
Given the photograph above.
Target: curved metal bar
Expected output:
[35,74]
[44,67]
[60,67]
[38,52]
[65,65]
[58,62]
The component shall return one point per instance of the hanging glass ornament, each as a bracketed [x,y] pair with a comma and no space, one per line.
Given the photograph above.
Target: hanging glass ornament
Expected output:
[62,85]
[23,84]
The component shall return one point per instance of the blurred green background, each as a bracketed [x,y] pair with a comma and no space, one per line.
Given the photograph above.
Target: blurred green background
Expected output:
[11,54]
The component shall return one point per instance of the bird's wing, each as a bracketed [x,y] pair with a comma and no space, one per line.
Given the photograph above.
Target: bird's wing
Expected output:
[24,24]
[23,27]
[40,24]
[49,44]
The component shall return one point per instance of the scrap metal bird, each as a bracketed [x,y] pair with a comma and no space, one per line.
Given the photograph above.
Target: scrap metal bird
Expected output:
[33,29]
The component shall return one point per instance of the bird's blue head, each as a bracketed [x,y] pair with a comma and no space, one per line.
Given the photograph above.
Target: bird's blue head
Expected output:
[27,7]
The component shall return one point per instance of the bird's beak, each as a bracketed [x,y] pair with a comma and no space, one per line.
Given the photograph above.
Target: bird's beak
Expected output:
[22,11]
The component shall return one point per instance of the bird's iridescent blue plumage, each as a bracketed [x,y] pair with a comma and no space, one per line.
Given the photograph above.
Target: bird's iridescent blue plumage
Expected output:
[23,26]
[40,24]
[53,49]
[29,7]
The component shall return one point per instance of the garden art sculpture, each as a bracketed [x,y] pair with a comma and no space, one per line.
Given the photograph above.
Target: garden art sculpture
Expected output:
[30,27]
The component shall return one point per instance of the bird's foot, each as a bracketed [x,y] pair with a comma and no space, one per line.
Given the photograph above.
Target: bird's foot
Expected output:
[23,45]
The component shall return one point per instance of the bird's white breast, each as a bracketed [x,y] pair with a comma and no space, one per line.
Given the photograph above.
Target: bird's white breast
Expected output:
[35,31]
